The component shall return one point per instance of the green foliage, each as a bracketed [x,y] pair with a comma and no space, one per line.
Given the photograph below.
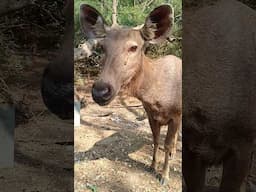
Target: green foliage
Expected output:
[133,13]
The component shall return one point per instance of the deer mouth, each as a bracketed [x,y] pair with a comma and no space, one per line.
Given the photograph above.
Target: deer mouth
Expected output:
[102,101]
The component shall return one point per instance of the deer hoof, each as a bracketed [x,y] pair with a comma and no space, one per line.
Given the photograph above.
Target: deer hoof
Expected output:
[163,180]
[173,155]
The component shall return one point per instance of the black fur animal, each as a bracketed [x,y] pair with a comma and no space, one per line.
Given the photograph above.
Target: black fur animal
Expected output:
[219,89]
[58,79]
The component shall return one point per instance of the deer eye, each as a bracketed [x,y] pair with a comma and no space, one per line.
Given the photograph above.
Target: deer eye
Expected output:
[133,48]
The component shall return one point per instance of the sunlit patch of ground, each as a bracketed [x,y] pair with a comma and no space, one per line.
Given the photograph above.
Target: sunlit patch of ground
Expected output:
[43,143]
[113,149]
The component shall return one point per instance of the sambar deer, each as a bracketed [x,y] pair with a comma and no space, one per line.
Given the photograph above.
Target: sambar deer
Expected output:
[219,89]
[156,83]
[57,86]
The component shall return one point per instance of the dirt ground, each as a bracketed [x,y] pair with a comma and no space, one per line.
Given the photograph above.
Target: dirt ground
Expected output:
[113,149]
[43,143]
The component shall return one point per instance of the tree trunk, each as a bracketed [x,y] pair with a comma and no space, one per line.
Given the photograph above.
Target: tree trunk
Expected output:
[102,5]
[114,14]
[7,125]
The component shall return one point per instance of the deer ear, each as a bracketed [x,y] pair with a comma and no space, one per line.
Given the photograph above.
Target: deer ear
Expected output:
[158,24]
[92,23]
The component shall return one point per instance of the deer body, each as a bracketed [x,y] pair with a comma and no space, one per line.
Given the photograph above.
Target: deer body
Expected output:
[157,83]
[219,88]
[158,86]
[57,86]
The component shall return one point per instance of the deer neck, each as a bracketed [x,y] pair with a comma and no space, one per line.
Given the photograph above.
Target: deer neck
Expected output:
[143,79]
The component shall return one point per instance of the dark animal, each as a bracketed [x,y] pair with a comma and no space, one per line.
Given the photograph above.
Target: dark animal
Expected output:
[219,89]
[57,87]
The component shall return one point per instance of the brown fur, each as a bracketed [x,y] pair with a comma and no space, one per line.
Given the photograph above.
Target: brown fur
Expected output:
[157,83]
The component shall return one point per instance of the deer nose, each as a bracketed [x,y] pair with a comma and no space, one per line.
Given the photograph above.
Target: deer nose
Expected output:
[102,93]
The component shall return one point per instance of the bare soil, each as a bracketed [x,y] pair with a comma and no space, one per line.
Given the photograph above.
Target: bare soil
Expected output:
[113,149]
[43,143]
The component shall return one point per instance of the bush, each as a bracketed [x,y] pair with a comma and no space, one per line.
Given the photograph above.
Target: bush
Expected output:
[132,13]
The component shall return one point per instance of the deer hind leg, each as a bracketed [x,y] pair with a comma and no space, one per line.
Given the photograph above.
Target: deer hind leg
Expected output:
[155,127]
[170,145]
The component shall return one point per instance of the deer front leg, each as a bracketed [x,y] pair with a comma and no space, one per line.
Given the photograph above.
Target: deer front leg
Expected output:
[155,127]
[193,170]
[235,170]
[174,145]
[170,145]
